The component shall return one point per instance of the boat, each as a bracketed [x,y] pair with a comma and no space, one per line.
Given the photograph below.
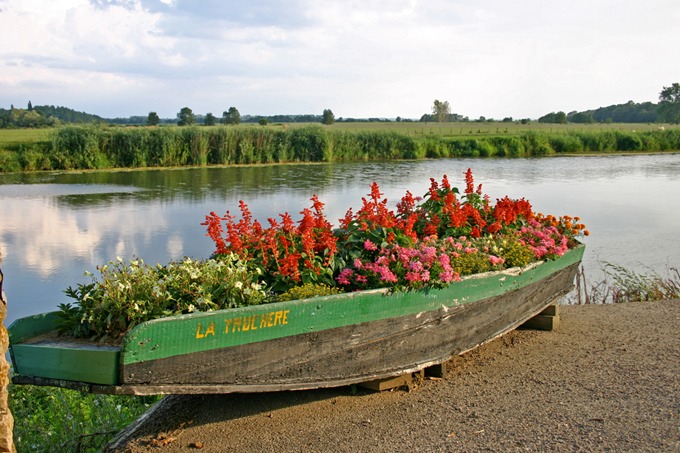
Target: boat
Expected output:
[331,341]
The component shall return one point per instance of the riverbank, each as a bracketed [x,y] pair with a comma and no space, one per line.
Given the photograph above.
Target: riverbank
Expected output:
[94,147]
[607,379]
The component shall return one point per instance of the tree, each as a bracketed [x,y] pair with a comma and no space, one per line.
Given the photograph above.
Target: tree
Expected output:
[232,116]
[30,106]
[669,104]
[328,117]
[153,119]
[209,119]
[441,111]
[555,118]
[185,117]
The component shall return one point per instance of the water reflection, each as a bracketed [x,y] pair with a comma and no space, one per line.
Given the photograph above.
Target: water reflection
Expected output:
[56,226]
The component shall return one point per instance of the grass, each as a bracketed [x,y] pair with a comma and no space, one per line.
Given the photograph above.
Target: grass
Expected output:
[621,285]
[472,129]
[50,419]
[466,129]
[13,136]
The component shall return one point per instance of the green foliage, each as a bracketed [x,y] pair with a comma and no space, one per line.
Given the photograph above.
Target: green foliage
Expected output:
[185,117]
[567,143]
[78,147]
[96,147]
[209,119]
[328,118]
[50,419]
[232,116]
[441,110]
[129,293]
[554,117]
[153,119]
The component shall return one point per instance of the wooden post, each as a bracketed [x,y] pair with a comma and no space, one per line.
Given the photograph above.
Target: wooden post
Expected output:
[6,419]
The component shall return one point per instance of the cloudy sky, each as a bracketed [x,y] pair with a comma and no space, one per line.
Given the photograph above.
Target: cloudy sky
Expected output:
[360,58]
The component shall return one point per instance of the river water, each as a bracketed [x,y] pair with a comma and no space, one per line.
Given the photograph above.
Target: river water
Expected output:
[54,227]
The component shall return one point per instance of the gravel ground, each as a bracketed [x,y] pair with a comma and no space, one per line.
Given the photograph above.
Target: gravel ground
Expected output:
[608,379]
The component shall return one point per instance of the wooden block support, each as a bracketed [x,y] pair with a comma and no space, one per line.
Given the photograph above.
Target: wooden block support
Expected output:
[548,319]
[380,385]
[438,371]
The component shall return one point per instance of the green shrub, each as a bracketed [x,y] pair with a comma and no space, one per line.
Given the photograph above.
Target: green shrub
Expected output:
[567,143]
[50,419]
[9,161]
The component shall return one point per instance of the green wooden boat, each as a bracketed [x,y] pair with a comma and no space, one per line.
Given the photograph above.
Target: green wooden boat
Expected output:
[320,342]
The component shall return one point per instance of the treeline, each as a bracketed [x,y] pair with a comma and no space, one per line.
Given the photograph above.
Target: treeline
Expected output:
[81,147]
[44,116]
[630,112]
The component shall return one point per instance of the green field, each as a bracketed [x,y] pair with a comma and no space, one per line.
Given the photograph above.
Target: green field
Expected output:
[13,136]
[486,128]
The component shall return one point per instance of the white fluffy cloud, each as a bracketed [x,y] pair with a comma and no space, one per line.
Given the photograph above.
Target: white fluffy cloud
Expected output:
[359,58]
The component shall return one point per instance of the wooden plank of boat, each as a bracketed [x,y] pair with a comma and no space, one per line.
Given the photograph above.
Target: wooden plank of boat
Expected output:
[312,343]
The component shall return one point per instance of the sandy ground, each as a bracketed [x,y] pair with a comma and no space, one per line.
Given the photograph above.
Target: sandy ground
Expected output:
[607,380]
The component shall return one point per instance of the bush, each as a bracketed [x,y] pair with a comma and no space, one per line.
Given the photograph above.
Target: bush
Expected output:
[50,419]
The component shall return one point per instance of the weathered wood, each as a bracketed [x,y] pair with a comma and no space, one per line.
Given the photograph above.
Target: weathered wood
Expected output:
[548,319]
[372,350]
[437,371]
[403,380]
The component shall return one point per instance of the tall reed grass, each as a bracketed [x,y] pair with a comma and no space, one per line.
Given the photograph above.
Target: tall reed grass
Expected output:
[622,285]
[98,147]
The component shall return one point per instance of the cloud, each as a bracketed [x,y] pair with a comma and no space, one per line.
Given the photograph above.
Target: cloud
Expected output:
[360,58]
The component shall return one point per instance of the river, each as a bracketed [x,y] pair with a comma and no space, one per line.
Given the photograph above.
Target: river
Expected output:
[56,226]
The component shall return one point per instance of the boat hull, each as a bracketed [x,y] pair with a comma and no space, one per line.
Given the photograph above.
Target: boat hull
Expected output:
[324,342]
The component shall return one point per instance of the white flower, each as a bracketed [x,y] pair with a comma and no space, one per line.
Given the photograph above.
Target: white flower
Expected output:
[238,285]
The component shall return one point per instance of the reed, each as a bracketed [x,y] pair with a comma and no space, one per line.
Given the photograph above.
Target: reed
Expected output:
[622,285]
[97,147]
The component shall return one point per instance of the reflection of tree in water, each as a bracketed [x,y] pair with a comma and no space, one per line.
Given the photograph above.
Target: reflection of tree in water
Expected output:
[200,184]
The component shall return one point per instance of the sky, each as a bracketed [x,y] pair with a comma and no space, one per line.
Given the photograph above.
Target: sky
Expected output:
[359,58]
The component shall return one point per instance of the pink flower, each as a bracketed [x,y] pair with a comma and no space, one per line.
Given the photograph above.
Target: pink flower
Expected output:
[344,276]
[496,260]
[368,245]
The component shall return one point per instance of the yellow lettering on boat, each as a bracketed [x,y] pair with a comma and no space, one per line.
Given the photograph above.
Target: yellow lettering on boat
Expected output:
[246,323]
[210,330]
[237,325]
